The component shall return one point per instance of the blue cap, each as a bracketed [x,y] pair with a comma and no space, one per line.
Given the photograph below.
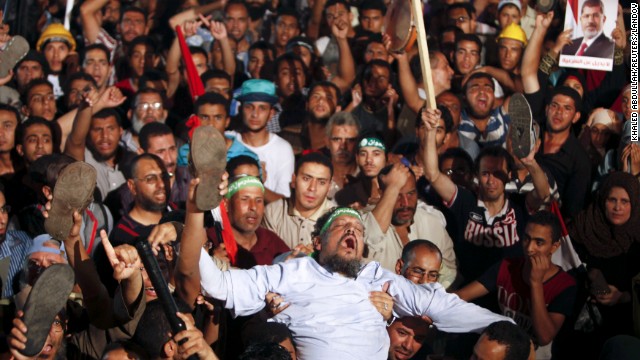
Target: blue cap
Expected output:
[38,245]
[258,90]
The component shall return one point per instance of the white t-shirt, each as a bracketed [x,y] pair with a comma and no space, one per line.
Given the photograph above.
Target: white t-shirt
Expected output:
[277,154]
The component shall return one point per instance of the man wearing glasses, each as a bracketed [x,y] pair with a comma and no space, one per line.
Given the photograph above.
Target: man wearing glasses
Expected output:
[398,219]
[148,107]
[148,182]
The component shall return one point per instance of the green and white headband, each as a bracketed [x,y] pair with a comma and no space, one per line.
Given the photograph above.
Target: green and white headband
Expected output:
[372,142]
[339,212]
[243,182]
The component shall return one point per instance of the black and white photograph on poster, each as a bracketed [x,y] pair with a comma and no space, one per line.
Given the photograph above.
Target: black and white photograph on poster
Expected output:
[592,44]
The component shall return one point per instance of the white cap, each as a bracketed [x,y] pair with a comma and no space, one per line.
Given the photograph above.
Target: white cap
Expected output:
[506,2]
[604,117]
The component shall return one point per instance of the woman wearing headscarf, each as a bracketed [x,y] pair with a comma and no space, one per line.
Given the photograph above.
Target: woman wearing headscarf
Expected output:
[606,235]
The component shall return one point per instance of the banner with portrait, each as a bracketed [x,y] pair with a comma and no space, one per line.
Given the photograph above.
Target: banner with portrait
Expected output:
[591,46]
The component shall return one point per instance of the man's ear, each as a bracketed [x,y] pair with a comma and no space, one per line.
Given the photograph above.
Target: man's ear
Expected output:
[576,117]
[130,114]
[19,149]
[169,349]
[399,265]
[25,110]
[131,186]
[293,181]
[555,246]
[338,108]
[317,243]
[447,136]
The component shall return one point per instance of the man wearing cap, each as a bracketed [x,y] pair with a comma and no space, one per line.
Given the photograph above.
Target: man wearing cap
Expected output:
[258,98]
[364,190]
[509,12]
[329,312]
[56,43]
[257,245]
[293,219]
[594,43]
[33,66]
[399,218]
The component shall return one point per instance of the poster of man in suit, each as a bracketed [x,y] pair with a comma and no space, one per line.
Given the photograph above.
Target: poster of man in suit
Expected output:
[591,45]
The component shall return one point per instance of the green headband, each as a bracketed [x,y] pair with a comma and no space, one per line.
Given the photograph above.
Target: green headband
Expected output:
[243,182]
[340,212]
[372,142]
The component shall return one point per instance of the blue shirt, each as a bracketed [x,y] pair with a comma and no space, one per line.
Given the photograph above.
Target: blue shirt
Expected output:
[15,246]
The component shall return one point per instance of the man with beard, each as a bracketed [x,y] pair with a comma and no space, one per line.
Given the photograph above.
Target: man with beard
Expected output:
[76,85]
[342,132]
[32,66]
[322,103]
[95,138]
[479,120]
[148,182]
[132,23]
[329,312]
[488,226]
[399,218]
[364,189]
[38,99]
[147,107]
[293,219]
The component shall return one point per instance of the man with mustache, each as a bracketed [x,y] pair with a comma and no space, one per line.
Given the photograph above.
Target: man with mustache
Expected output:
[148,182]
[399,218]
[329,312]
[322,102]
[147,107]
[594,43]
[343,131]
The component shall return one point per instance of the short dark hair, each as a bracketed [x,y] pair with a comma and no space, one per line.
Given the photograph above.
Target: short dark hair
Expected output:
[153,328]
[235,2]
[457,153]
[147,90]
[478,75]
[30,85]
[11,109]
[547,218]
[456,30]
[142,40]
[408,252]
[468,37]
[330,3]
[468,7]
[290,58]
[21,130]
[446,117]
[45,170]
[367,72]
[264,46]
[134,9]
[497,152]
[96,46]
[80,75]
[211,98]
[265,351]
[316,158]
[214,74]
[325,84]
[133,164]
[150,130]
[287,11]
[237,161]
[570,92]
[516,340]
[198,50]
[373,5]
[265,332]
[108,112]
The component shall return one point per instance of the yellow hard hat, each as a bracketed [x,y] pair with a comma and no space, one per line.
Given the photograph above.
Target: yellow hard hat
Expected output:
[56,32]
[513,31]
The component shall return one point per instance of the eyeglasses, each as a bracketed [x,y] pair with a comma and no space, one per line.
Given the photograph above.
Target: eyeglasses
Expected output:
[5,209]
[420,273]
[154,178]
[458,20]
[146,106]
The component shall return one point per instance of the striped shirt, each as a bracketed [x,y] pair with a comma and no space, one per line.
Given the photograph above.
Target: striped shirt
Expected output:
[15,247]
[495,133]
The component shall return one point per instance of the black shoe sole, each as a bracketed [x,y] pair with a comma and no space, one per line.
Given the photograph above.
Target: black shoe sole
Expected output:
[520,127]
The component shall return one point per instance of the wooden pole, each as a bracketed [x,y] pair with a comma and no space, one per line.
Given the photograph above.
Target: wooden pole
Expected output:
[423,51]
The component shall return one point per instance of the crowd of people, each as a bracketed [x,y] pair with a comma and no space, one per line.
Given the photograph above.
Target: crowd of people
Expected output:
[300,197]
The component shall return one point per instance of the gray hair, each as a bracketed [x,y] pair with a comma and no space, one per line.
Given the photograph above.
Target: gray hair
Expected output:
[342,118]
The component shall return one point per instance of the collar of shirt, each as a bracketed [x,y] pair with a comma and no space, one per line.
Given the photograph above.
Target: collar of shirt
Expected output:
[292,211]
[590,41]
[490,219]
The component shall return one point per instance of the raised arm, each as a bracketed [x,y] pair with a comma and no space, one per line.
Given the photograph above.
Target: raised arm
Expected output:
[444,186]
[408,85]
[313,28]
[541,190]
[533,53]
[91,18]
[346,66]
[219,32]
[394,181]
